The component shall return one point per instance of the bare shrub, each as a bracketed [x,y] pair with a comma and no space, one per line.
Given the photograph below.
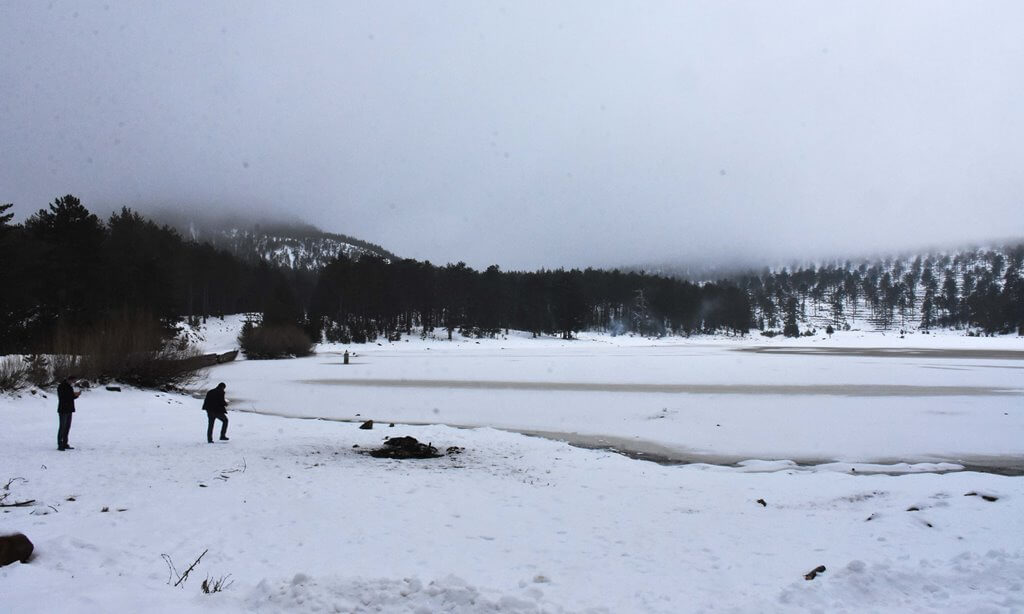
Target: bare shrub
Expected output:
[13,373]
[274,341]
[132,349]
[63,365]
[169,365]
[37,367]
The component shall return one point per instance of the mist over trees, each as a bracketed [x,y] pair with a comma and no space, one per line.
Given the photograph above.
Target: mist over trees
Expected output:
[980,288]
[67,273]
[288,243]
[361,300]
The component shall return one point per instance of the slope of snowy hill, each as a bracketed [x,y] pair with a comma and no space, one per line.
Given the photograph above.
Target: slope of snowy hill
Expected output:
[956,288]
[290,244]
[306,248]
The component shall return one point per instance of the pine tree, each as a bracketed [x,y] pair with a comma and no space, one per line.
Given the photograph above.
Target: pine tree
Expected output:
[791,329]
[5,218]
[837,305]
[950,299]
[72,239]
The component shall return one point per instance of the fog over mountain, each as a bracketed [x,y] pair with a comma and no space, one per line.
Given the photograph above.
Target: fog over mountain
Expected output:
[286,242]
[529,134]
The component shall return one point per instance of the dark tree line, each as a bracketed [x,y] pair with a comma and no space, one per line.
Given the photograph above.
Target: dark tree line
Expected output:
[67,273]
[361,300]
[974,288]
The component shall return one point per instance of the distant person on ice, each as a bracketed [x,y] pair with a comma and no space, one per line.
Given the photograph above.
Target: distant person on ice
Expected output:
[66,396]
[216,409]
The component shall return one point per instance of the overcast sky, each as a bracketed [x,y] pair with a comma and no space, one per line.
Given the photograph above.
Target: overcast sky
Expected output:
[532,134]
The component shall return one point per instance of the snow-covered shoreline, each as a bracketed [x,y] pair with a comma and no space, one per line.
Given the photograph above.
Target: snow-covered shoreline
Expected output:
[855,398]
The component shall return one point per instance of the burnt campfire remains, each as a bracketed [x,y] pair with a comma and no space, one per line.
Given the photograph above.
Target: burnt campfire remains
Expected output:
[409,447]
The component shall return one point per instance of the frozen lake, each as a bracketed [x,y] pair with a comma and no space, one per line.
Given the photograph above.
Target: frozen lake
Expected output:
[723,401]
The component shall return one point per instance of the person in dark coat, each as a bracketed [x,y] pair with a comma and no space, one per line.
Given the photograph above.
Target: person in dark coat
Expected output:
[66,396]
[216,409]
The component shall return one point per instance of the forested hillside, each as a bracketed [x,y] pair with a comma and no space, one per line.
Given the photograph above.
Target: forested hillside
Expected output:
[68,274]
[362,299]
[979,288]
[289,244]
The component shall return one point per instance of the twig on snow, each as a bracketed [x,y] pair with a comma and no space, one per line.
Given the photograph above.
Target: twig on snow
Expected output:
[184,576]
[6,493]
[224,473]
[7,486]
[172,572]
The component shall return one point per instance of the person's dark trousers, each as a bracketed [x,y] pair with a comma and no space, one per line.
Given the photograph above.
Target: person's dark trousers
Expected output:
[211,416]
[63,430]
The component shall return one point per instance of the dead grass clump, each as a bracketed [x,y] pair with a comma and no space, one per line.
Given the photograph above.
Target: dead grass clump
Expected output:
[215,585]
[13,373]
[130,349]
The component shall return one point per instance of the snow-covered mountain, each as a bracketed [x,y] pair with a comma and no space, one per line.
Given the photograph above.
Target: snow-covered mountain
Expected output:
[307,248]
[289,244]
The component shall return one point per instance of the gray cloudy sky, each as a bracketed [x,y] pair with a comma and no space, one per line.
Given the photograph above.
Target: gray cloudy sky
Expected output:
[533,134]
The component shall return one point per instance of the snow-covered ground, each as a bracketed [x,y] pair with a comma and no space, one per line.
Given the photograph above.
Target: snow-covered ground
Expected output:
[304,522]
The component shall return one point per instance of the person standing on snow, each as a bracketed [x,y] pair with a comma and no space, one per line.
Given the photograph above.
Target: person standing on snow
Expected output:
[66,396]
[216,409]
